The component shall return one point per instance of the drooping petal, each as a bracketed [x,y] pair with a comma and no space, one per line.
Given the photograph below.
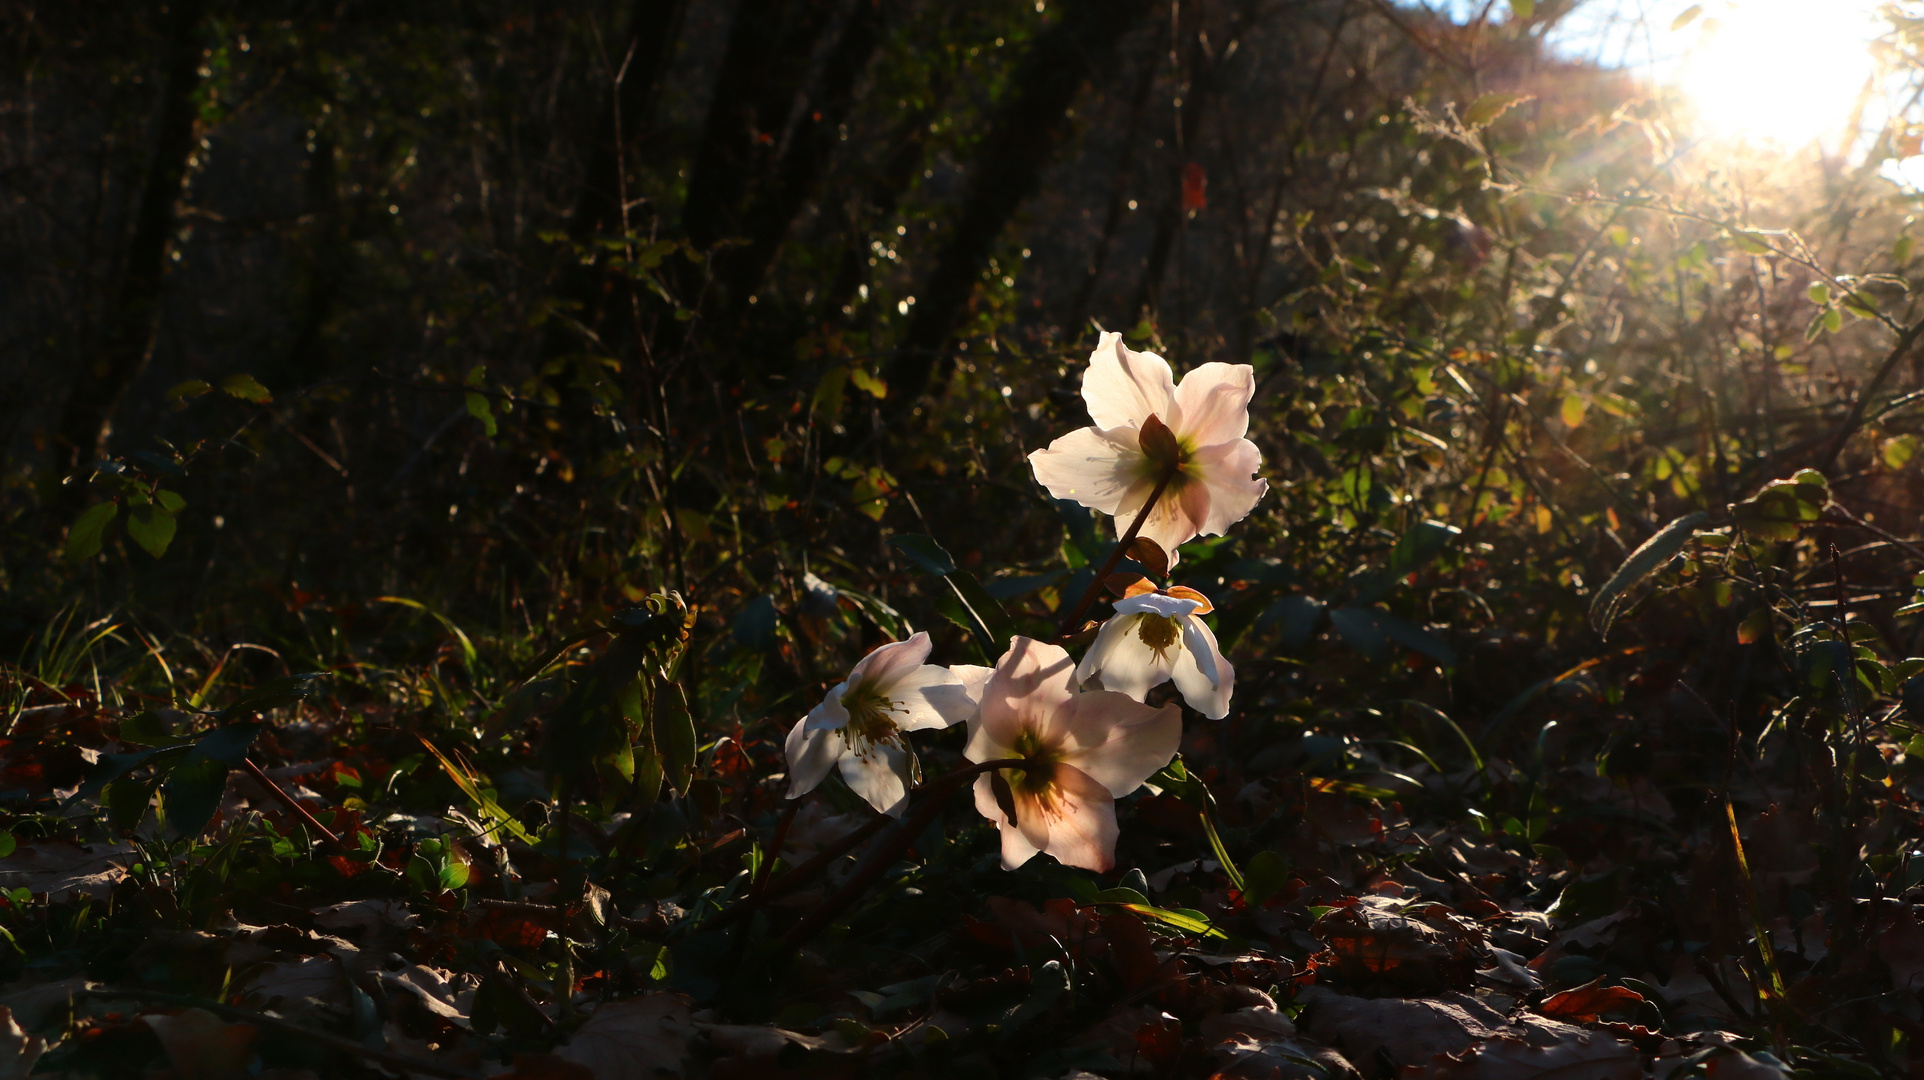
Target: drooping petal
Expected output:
[810,753]
[1031,684]
[1123,387]
[1120,741]
[1095,467]
[1128,665]
[974,677]
[1225,471]
[930,697]
[1107,638]
[885,665]
[1175,607]
[1074,821]
[1015,849]
[1203,676]
[1215,403]
[829,715]
[880,775]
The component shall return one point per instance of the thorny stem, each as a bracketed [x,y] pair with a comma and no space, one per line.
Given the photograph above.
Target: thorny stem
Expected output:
[289,801]
[1070,621]
[879,860]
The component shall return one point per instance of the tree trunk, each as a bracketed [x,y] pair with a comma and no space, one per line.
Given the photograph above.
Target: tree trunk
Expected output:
[1023,134]
[128,337]
[809,150]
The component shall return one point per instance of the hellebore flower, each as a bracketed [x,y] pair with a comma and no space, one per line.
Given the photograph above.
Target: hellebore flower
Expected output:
[860,724]
[1156,636]
[1081,751]
[1113,466]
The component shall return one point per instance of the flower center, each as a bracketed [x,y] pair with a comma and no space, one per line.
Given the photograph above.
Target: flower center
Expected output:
[1158,632]
[868,719]
[1038,780]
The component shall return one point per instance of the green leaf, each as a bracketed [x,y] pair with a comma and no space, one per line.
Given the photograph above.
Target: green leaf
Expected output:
[1523,10]
[170,501]
[194,788]
[7,844]
[1371,631]
[1643,562]
[982,616]
[468,654]
[1819,293]
[1265,874]
[479,406]
[84,539]
[491,811]
[180,394]
[875,387]
[273,694]
[674,734]
[152,527]
[1834,320]
[1782,507]
[1490,106]
[146,729]
[1184,919]
[246,388]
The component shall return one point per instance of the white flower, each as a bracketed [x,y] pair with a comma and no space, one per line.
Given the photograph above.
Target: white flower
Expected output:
[1107,469]
[860,724]
[1158,636]
[1082,751]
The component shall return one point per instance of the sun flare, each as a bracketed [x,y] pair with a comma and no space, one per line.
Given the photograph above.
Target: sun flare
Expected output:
[1779,71]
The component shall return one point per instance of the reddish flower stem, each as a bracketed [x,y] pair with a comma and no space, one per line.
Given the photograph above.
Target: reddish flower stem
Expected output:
[289,801]
[1071,621]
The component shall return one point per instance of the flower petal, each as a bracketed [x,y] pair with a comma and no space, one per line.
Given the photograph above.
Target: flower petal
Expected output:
[1173,522]
[1157,604]
[1123,387]
[1225,471]
[1031,684]
[1202,674]
[829,715]
[1215,403]
[1119,741]
[1097,468]
[1075,823]
[1016,849]
[1128,665]
[930,697]
[885,665]
[810,754]
[880,775]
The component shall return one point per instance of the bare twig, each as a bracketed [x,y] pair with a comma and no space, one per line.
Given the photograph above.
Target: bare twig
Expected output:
[289,801]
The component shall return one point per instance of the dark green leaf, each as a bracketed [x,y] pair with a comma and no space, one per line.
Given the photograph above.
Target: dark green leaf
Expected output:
[84,539]
[674,735]
[152,527]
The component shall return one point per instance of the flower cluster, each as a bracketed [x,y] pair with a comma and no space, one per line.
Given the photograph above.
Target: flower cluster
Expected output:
[1056,742]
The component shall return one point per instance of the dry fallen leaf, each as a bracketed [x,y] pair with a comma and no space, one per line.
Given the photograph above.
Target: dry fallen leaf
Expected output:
[202,1046]
[1583,1056]
[1250,1057]
[58,869]
[297,987]
[18,1050]
[1585,1003]
[638,1039]
[1412,1030]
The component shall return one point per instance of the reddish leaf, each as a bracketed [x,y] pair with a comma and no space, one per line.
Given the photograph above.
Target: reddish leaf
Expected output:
[1195,187]
[1585,1003]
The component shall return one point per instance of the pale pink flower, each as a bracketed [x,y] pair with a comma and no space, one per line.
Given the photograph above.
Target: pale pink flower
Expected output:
[1085,750]
[1157,636]
[1106,468]
[861,723]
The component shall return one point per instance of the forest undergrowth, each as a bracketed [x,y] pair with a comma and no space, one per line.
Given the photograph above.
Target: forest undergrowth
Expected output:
[1458,616]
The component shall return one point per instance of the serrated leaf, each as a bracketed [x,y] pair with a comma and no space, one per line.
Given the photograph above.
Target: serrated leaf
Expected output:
[1649,557]
[246,388]
[88,531]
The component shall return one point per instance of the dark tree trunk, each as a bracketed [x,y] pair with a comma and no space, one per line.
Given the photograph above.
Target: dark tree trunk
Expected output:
[127,339]
[768,55]
[1022,136]
[809,150]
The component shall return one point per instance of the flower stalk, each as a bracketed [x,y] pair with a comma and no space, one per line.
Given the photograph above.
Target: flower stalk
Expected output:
[1088,599]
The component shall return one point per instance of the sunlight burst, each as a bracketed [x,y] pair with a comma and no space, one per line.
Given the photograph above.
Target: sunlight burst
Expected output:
[1781,71]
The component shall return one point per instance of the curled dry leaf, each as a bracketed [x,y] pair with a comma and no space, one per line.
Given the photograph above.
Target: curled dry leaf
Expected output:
[639,1039]
[202,1046]
[1250,1057]
[1412,1031]
[297,987]
[1421,945]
